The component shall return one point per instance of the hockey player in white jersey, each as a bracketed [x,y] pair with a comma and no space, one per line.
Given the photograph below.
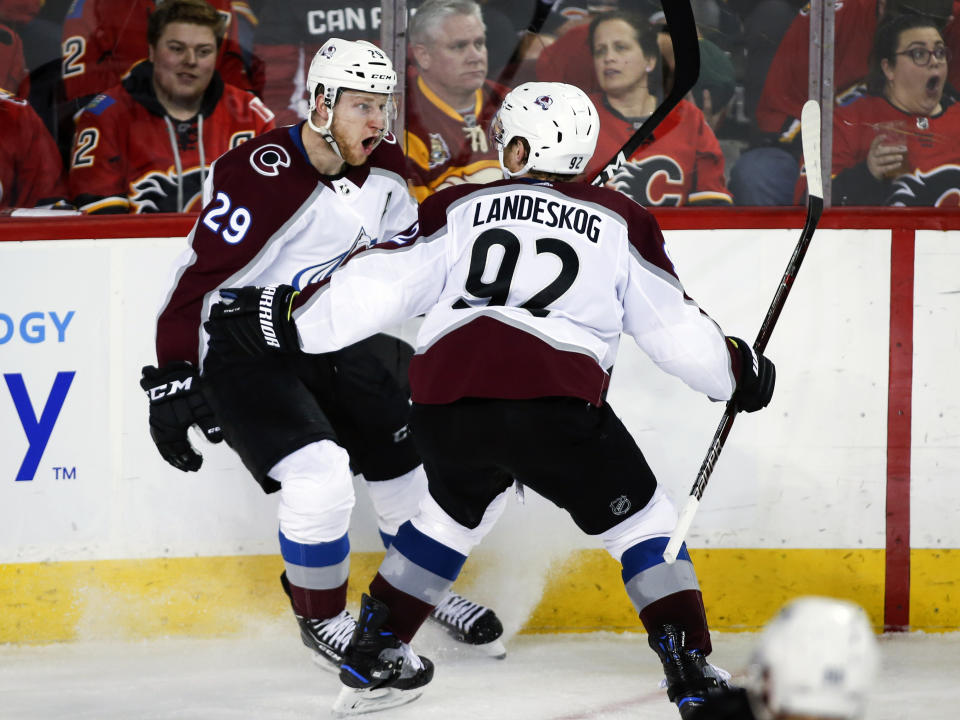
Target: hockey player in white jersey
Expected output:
[289,207]
[527,285]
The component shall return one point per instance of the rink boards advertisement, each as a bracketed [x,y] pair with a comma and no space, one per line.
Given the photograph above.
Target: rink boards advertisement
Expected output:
[91,518]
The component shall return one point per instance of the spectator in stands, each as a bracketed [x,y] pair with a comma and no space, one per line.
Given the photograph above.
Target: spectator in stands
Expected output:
[716,80]
[13,65]
[897,144]
[450,102]
[13,68]
[104,39]
[565,56]
[682,164]
[145,145]
[31,173]
[767,173]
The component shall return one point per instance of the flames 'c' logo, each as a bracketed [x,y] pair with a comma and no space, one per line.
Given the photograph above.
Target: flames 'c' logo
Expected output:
[267,159]
[544,101]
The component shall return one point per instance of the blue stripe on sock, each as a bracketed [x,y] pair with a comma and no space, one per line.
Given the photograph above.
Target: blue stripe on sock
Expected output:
[318,555]
[387,539]
[645,555]
[428,553]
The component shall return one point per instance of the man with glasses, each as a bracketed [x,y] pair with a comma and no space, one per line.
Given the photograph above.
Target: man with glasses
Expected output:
[290,207]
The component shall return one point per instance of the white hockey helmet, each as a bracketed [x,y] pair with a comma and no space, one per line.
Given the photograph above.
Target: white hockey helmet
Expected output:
[817,657]
[348,65]
[558,121]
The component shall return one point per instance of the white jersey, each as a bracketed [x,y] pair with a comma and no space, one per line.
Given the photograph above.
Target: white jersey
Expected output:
[526,288]
[269,217]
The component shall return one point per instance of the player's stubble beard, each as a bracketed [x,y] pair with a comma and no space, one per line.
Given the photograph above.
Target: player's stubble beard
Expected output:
[351,152]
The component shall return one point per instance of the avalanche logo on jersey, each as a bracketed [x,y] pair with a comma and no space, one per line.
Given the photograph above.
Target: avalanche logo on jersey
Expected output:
[317,273]
[267,158]
[655,180]
[157,192]
[938,188]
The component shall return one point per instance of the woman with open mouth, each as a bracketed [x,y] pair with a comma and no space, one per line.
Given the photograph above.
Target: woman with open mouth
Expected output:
[897,144]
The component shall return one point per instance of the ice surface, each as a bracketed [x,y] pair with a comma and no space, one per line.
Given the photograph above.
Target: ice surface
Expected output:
[268,675]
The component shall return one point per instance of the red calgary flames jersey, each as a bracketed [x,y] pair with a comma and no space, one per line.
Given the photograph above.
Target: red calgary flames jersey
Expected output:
[681,164]
[931,174]
[103,39]
[443,147]
[855,22]
[31,173]
[129,156]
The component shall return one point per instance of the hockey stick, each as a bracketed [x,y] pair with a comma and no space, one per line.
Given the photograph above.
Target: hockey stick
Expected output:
[686,50]
[810,136]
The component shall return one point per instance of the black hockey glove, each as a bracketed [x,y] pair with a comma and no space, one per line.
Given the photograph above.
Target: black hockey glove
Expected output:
[757,378]
[253,321]
[176,403]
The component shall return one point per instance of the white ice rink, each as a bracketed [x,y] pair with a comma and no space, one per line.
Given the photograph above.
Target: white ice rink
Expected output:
[268,675]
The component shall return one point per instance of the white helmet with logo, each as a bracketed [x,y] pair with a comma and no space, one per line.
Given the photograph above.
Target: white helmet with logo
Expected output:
[817,657]
[347,65]
[558,121]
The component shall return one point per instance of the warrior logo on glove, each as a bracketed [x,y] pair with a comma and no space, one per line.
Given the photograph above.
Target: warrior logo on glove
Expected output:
[253,321]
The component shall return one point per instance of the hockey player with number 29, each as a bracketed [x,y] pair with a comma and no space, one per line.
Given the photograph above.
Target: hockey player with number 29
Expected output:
[527,284]
[288,207]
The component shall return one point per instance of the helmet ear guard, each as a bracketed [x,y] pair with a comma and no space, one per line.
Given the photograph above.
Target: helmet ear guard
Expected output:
[558,121]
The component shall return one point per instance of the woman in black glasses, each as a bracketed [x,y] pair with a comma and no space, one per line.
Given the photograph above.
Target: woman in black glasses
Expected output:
[898,143]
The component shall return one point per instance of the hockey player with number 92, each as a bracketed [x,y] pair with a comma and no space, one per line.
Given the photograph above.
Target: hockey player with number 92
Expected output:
[527,284]
[289,207]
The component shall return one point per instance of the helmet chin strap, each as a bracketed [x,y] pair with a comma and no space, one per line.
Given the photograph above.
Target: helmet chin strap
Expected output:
[325,131]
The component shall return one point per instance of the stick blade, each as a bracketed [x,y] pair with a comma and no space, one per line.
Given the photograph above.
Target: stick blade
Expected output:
[810,138]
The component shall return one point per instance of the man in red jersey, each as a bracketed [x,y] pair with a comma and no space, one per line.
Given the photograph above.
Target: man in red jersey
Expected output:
[450,102]
[103,39]
[527,284]
[146,145]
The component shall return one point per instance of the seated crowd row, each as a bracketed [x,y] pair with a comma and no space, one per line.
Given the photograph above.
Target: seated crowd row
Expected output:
[163,89]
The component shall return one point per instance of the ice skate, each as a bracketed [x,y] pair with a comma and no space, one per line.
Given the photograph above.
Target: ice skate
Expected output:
[689,677]
[326,638]
[378,671]
[470,623]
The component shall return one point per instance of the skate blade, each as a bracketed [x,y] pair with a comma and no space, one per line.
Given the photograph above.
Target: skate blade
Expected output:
[352,701]
[323,663]
[494,649]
